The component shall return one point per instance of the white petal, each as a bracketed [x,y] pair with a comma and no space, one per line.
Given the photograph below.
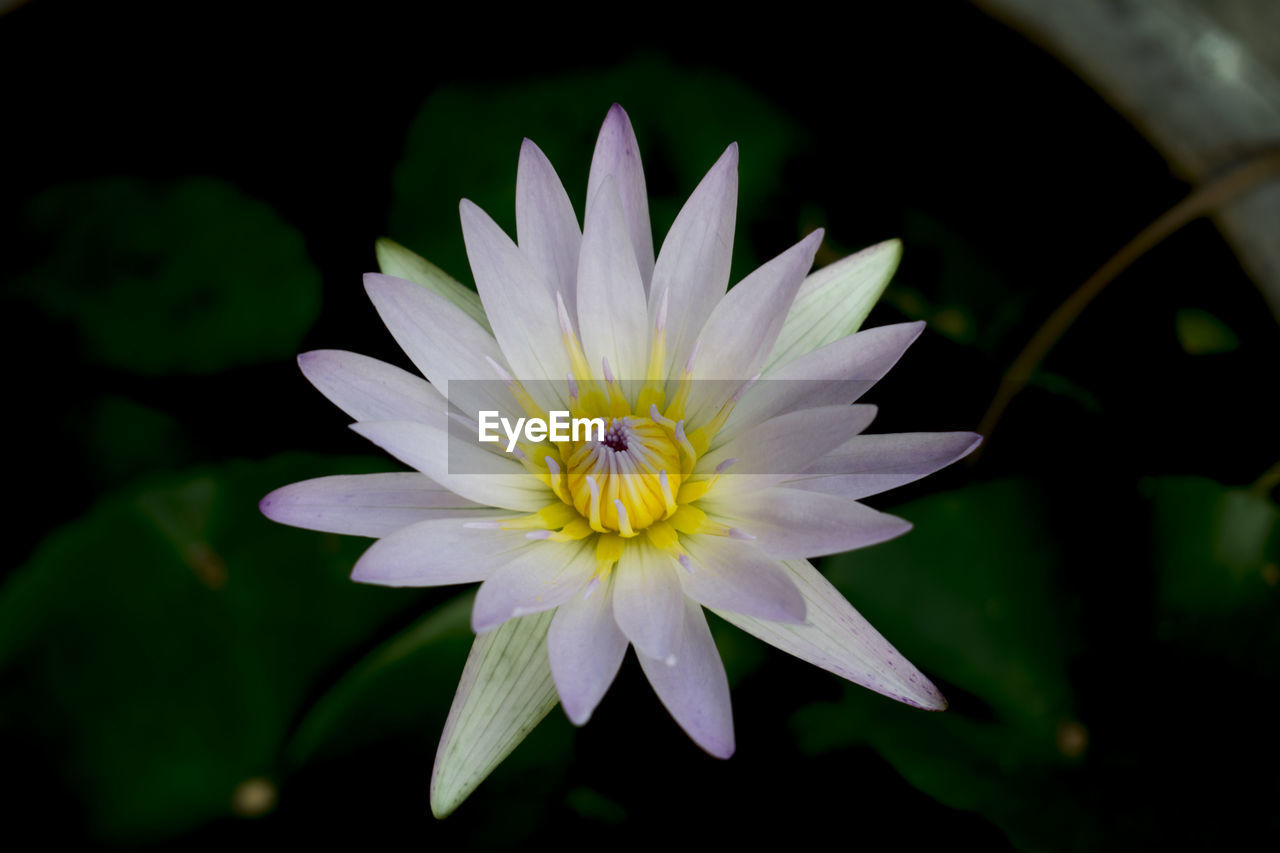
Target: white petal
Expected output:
[781,448]
[536,579]
[519,305]
[744,324]
[546,226]
[618,155]
[506,690]
[586,648]
[693,265]
[371,390]
[696,690]
[648,602]
[796,523]
[398,262]
[871,464]
[438,552]
[840,372]
[612,316]
[487,478]
[734,575]
[839,640]
[366,504]
[442,342]
[835,300]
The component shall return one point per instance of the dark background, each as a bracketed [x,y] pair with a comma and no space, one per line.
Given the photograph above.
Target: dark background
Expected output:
[190,199]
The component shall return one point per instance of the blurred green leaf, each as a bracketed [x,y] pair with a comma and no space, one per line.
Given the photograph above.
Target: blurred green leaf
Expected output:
[466,140]
[973,596]
[166,640]
[970,596]
[124,439]
[188,276]
[1216,550]
[1201,333]
[384,693]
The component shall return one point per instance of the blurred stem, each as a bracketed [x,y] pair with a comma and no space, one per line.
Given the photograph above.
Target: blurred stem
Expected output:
[1267,481]
[1202,201]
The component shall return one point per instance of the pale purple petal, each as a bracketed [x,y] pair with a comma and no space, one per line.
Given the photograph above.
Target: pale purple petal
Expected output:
[696,690]
[489,479]
[365,504]
[612,316]
[870,464]
[617,155]
[442,341]
[586,648]
[781,448]
[546,226]
[648,602]
[538,578]
[506,690]
[839,640]
[744,324]
[438,552]
[693,265]
[840,372]
[371,390]
[519,305]
[794,523]
[734,575]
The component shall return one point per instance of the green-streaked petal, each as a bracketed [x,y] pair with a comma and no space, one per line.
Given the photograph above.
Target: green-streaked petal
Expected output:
[396,260]
[506,690]
[835,300]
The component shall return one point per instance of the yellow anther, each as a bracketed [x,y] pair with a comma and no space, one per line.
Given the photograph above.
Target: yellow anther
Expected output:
[662,535]
[688,519]
[573,531]
[608,551]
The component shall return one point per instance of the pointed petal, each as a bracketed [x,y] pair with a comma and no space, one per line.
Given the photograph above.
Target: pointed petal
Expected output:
[612,317]
[519,306]
[839,640]
[438,552]
[537,579]
[442,342]
[696,690]
[792,523]
[693,265]
[618,155]
[397,261]
[648,602]
[506,690]
[835,300]
[781,448]
[870,464]
[840,372]
[744,324]
[586,648]
[734,575]
[371,390]
[546,226]
[490,480]
[366,504]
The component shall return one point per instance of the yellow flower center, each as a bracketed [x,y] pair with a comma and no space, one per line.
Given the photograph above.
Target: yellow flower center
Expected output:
[636,480]
[627,481]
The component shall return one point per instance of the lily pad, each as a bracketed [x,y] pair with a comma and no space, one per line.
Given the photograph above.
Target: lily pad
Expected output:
[186,276]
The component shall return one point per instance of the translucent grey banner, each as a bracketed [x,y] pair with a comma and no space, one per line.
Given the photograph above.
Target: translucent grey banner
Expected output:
[763,427]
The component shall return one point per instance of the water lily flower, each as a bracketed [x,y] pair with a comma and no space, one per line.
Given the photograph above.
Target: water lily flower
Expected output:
[733,452]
